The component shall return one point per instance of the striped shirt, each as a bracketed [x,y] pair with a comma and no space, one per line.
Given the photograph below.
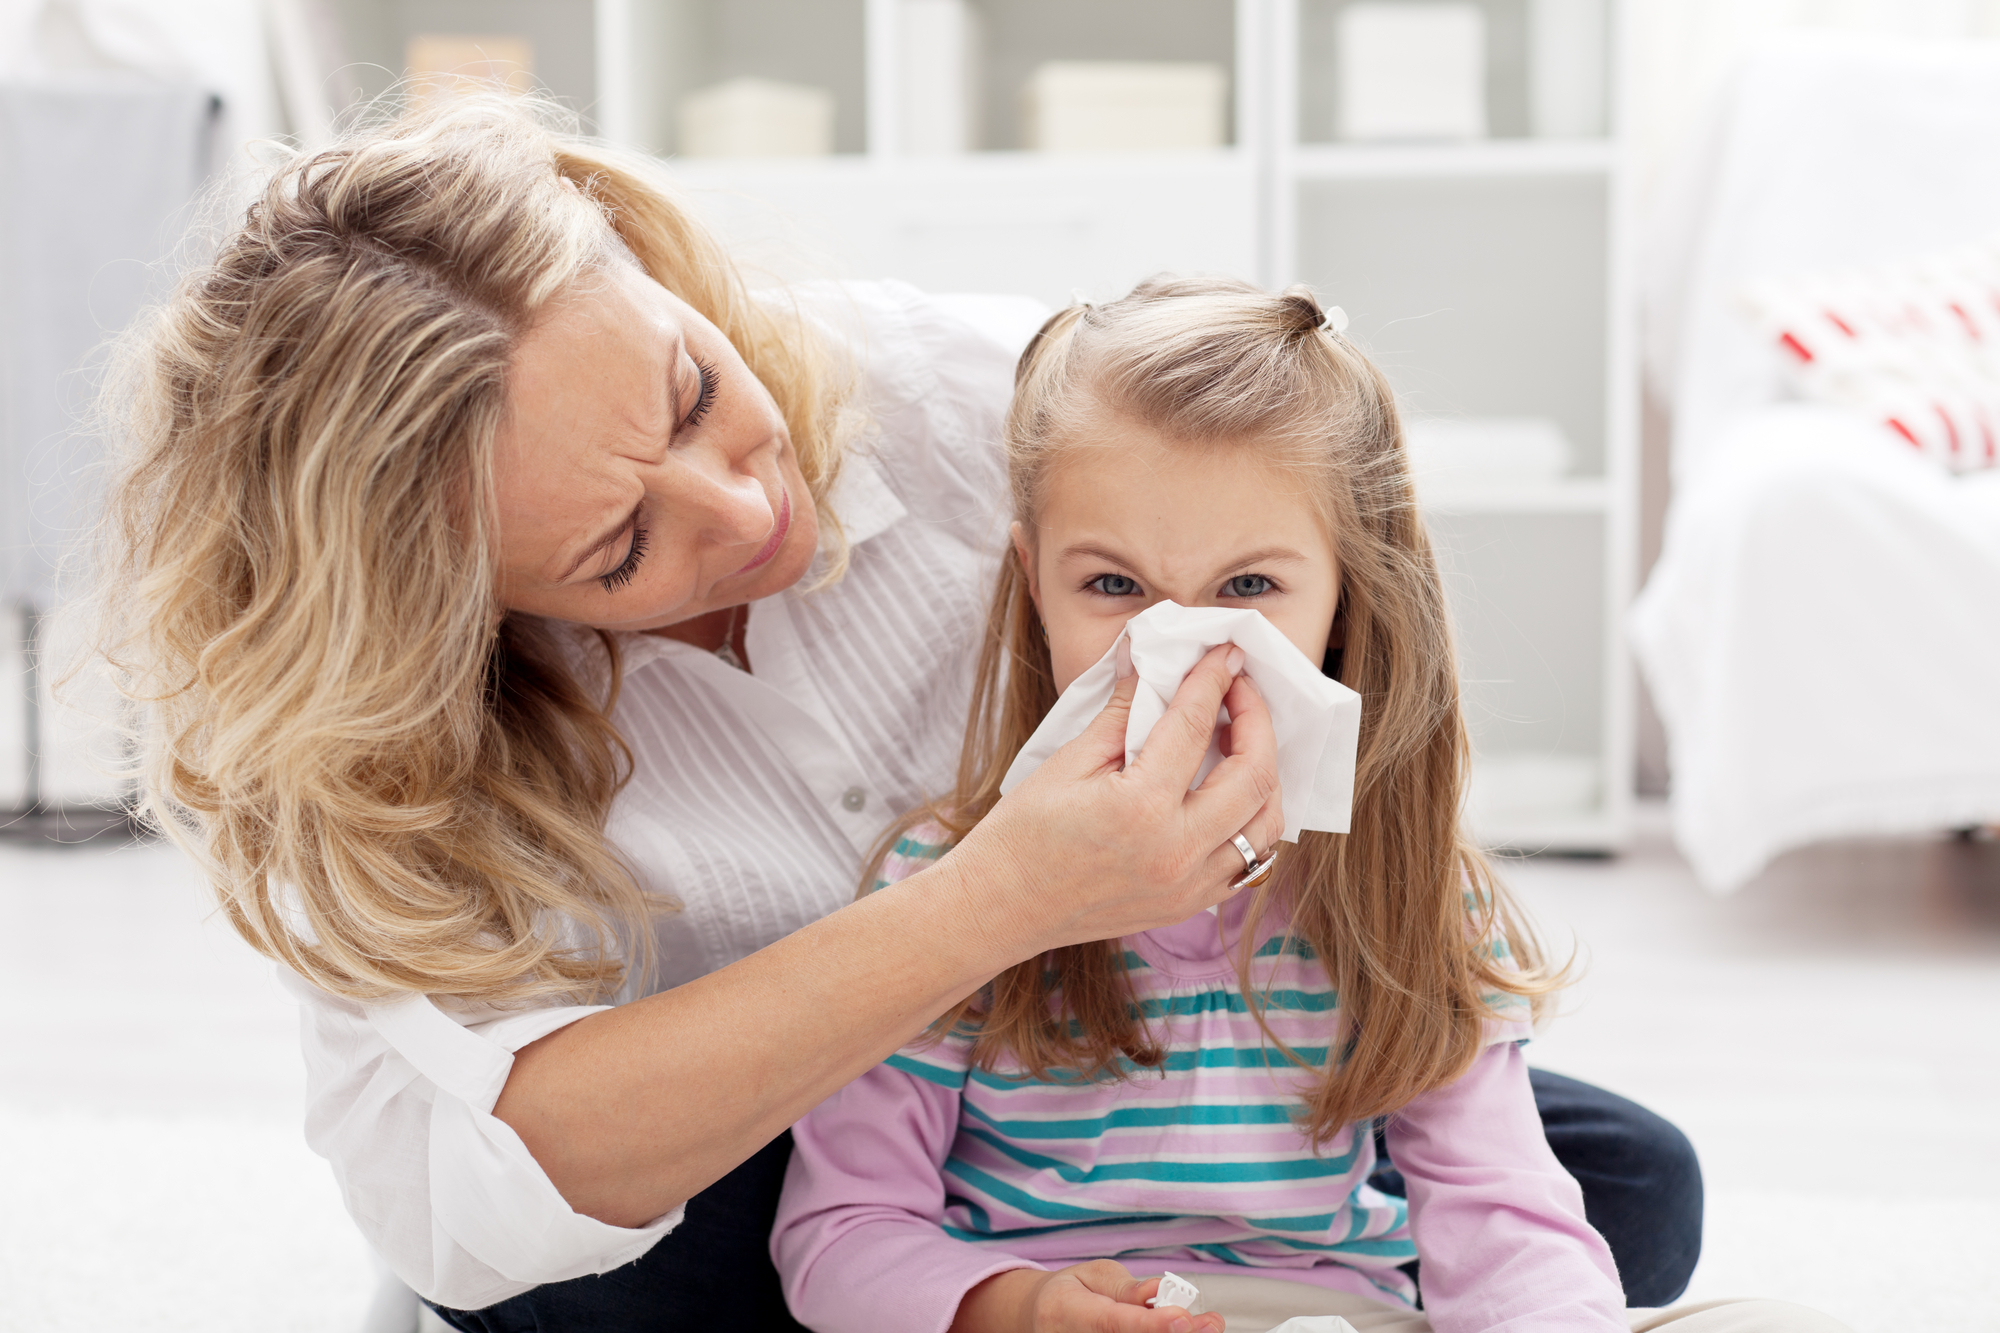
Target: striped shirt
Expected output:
[1199,1159]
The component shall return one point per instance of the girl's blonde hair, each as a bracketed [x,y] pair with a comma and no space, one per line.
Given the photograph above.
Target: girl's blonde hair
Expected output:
[394,786]
[1403,910]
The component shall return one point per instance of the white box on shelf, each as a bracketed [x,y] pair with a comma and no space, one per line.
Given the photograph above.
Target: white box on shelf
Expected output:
[1462,452]
[1073,106]
[939,59]
[1411,71]
[757,118]
[1566,54]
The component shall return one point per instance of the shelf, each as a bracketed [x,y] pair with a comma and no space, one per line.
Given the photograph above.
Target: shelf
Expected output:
[1565,495]
[992,165]
[1491,157]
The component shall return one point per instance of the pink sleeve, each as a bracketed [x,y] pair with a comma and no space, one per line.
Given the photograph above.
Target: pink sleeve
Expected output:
[1498,1223]
[858,1241]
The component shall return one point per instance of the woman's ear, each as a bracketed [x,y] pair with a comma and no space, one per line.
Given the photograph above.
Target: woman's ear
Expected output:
[1025,553]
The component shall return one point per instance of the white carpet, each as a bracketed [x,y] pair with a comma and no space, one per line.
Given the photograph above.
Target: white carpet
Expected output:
[1830,1040]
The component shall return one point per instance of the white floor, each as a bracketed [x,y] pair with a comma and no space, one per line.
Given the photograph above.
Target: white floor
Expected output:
[1830,1039]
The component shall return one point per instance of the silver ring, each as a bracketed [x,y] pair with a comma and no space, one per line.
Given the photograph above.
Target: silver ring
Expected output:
[1256,874]
[1246,851]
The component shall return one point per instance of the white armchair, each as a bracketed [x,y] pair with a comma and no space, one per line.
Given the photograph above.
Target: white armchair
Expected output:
[1822,632]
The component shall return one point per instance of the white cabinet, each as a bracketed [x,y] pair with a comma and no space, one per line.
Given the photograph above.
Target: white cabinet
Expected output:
[1487,277]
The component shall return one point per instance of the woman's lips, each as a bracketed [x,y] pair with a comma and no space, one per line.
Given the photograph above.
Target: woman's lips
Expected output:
[778,531]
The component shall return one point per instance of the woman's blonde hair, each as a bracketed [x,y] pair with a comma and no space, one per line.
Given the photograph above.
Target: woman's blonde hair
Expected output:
[394,786]
[1403,911]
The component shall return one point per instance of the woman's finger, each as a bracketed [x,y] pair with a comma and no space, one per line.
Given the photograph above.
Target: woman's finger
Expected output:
[1241,793]
[1179,740]
[1103,741]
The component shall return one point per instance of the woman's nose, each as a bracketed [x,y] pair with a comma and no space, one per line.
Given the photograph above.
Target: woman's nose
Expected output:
[734,506]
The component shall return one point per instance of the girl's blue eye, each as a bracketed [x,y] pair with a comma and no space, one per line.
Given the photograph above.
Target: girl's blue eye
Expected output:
[1115,585]
[1247,585]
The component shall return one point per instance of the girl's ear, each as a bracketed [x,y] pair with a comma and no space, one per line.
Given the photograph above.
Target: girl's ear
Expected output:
[1336,641]
[1026,555]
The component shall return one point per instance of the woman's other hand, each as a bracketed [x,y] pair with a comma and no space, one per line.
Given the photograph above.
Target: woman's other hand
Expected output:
[1088,849]
[1097,1297]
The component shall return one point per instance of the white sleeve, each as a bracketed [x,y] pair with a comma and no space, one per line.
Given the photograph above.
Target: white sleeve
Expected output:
[399,1098]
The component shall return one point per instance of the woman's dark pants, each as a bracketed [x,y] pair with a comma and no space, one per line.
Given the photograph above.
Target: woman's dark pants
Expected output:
[1641,1190]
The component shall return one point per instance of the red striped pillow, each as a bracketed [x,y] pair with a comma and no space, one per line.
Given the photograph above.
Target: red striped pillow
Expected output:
[1915,345]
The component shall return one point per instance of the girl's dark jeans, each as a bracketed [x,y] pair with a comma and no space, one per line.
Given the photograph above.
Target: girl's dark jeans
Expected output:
[1641,1190]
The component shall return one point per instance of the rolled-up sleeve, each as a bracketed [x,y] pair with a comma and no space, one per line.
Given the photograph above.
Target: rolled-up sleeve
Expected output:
[400,1101]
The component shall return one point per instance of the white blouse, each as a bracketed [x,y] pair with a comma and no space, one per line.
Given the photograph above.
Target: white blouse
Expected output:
[753,802]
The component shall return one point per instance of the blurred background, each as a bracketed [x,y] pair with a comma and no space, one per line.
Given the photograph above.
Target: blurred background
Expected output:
[1603,248]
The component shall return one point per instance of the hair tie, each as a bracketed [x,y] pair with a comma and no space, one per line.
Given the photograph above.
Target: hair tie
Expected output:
[1335,321]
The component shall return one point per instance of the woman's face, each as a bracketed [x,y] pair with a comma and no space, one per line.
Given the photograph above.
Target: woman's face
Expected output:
[644,475]
[1139,519]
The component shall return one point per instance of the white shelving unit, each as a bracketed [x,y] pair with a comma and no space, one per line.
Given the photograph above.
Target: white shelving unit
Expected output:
[1488,278]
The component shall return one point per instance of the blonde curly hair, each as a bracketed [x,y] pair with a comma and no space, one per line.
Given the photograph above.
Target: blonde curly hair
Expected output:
[394,786]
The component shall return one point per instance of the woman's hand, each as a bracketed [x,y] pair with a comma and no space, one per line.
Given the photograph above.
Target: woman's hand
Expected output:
[1087,849]
[1097,1297]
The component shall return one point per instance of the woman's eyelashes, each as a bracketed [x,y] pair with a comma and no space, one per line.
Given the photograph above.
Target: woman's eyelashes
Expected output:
[704,395]
[1247,585]
[621,576]
[1114,585]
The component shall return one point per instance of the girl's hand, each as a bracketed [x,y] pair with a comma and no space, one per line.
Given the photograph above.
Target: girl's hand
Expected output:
[1087,849]
[1097,1297]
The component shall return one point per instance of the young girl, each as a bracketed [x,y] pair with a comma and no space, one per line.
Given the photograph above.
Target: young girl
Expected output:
[1202,1098]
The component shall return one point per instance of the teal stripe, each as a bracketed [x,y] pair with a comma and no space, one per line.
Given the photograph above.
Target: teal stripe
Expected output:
[1373,1249]
[1229,1001]
[1279,945]
[1023,1233]
[1173,1172]
[944,1078]
[1022,1201]
[1132,962]
[920,851]
[1216,1250]
[1136,1117]
[1176,1062]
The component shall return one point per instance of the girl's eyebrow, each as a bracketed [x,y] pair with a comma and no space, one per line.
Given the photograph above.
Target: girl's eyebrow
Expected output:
[1269,555]
[1091,551]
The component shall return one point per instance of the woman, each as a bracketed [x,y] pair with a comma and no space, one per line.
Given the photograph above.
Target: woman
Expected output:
[535,632]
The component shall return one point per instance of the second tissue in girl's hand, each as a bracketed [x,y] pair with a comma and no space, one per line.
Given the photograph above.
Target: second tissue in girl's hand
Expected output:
[1317,719]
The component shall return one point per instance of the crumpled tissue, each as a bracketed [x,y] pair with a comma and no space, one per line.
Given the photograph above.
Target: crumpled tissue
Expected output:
[1317,719]
[1177,1290]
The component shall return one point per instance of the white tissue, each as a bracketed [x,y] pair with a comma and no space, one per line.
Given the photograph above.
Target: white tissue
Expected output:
[1317,720]
[1315,1323]
[1177,1290]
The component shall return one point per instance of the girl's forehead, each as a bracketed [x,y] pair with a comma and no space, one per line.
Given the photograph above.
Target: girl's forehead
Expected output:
[1179,500]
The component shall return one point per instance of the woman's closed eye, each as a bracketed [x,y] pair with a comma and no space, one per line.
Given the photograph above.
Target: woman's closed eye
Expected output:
[622,576]
[704,395]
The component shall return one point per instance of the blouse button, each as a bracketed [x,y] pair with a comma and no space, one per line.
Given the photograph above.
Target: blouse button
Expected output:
[854,798]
